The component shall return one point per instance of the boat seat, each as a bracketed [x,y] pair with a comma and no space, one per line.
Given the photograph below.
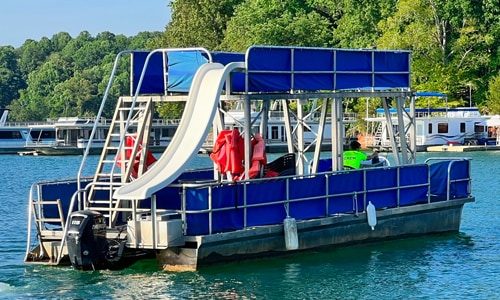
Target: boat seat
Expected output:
[283,165]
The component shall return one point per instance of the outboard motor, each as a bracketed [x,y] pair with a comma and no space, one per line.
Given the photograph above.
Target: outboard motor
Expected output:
[86,240]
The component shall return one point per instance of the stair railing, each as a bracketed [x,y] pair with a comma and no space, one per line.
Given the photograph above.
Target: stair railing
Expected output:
[98,117]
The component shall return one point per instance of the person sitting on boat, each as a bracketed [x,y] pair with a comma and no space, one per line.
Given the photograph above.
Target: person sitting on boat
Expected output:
[354,158]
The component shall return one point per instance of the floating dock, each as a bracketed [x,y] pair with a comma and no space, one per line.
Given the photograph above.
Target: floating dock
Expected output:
[471,148]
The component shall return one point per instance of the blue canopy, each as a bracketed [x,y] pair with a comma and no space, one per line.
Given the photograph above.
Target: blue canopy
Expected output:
[181,68]
[283,69]
[273,69]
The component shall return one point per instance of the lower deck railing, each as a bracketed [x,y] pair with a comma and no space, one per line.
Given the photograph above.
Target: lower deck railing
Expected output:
[209,207]
[212,207]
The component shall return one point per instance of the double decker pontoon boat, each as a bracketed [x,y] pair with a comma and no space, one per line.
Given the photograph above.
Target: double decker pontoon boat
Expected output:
[244,206]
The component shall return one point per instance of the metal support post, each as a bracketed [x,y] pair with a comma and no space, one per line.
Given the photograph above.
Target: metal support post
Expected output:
[153,220]
[288,126]
[264,118]
[390,130]
[413,132]
[319,139]
[402,132]
[337,135]
[248,132]
[300,136]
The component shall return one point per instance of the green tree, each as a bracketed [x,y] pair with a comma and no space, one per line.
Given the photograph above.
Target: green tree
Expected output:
[276,22]
[33,54]
[10,76]
[171,110]
[72,98]
[493,95]
[34,102]
[355,21]
[200,23]
[453,47]
[60,40]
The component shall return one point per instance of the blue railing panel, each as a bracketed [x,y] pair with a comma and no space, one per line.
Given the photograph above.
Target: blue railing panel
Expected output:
[308,188]
[154,77]
[197,224]
[410,176]
[345,183]
[166,198]
[283,69]
[62,190]
[379,179]
[227,220]
[458,177]
[459,171]
[347,192]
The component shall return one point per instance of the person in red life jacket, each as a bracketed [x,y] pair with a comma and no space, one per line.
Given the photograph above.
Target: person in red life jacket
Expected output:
[353,157]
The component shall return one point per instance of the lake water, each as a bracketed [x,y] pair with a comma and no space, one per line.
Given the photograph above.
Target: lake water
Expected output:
[446,266]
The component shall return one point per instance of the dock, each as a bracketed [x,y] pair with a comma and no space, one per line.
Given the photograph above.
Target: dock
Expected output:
[467,148]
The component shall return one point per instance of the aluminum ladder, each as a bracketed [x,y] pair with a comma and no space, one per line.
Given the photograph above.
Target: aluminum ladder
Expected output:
[125,148]
[49,231]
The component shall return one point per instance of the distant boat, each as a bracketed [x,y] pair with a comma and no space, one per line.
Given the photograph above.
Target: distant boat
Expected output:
[23,136]
[72,136]
[68,135]
[434,127]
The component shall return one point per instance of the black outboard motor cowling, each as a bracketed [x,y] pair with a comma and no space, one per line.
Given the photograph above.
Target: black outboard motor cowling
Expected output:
[86,240]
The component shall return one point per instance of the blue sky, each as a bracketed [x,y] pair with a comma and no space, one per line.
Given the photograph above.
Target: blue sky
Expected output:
[33,19]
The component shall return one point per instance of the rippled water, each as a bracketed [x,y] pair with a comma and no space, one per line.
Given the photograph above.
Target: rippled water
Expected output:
[451,266]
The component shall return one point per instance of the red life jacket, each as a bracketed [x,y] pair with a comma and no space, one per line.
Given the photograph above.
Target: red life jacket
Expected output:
[149,160]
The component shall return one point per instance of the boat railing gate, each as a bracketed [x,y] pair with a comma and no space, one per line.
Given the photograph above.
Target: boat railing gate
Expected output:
[112,209]
[449,180]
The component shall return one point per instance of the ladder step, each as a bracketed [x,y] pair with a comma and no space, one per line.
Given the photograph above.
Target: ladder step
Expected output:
[104,174]
[51,234]
[116,148]
[138,100]
[48,220]
[43,202]
[102,202]
[101,188]
[109,161]
[142,108]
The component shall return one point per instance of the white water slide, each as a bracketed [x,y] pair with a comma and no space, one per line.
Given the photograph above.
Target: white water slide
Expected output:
[196,120]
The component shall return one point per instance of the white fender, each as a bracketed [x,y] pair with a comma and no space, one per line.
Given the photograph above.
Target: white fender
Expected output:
[371,215]
[291,235]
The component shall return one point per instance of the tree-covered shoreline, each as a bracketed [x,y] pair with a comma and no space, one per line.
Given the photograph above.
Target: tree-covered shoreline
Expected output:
[455,47]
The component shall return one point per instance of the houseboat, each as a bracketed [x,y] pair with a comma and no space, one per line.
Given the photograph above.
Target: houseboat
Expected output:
[23,136]
[136,205]
[72,136]
[434,126]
